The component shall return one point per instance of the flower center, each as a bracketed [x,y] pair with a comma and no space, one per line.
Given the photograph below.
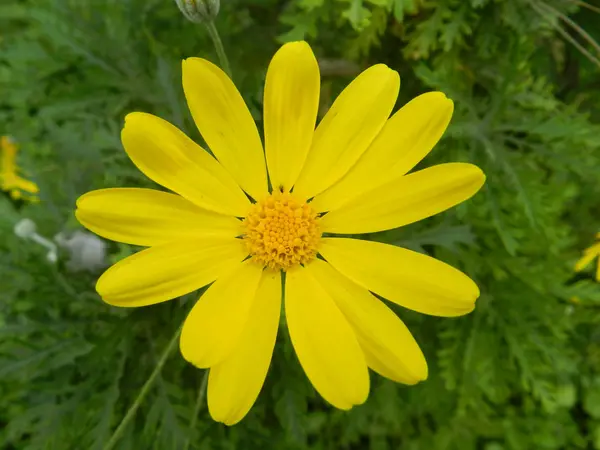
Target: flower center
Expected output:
[281,232]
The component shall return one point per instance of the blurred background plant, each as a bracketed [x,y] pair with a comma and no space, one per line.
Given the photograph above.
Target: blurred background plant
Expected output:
[521,372]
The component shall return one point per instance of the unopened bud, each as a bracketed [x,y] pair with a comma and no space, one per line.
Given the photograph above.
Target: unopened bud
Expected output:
[199,10]
[25,228]
[86,251]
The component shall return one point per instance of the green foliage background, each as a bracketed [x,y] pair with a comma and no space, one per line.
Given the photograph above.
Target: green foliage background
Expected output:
[521,372]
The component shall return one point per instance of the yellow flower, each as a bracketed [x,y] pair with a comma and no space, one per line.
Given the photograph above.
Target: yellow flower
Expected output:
[588,256]
[236,224]
[10,181]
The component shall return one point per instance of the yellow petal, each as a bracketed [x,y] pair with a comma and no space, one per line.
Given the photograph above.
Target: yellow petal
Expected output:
[408,278]
[9,155]
[167,156]
[595,248]
[290,111]
[225,124]
[215,323]
[13,181]
[588,256]
[348,128]
[389,347]
[324,342]
[407,199]
[598,270]
[169,270]
[407,137]
[234,384]
[25,185]
[148,217]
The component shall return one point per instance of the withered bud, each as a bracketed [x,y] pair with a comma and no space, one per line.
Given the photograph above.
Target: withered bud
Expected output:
[199,11]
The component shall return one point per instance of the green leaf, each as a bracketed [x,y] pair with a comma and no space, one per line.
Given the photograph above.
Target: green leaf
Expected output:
[591,398]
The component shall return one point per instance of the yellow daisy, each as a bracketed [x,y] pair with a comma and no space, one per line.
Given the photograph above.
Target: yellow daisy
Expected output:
[589,254]
[245,217]
[10,181]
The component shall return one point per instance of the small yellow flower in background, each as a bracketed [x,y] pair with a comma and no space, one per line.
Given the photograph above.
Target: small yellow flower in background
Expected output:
[10,181]
[241,219]
[589,254]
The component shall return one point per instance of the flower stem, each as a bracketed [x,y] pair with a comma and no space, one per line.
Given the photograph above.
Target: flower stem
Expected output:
[199,400]
[214,35]
[143,392]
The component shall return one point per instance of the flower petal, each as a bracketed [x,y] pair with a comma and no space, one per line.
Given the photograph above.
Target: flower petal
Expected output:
[410,279]
[406,199]
[389,347]
[290,111]
[348,128]
[588,256]
[148,217]
[234,384]
[23,184]
[324,342]
[215,323]
[225,124]
[407,137]
[169,270]
[167,156]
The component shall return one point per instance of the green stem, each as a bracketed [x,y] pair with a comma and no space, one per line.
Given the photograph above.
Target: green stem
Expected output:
[214,35]
[143,392]
[199,401]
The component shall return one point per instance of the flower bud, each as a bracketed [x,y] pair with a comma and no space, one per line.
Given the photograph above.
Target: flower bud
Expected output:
[199,10]
[86,251]
[25,228]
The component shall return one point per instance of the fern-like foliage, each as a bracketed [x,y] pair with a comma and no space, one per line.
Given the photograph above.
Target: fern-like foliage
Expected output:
[520,372]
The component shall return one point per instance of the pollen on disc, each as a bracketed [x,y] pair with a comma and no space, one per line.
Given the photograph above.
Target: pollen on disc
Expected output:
[281,232]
